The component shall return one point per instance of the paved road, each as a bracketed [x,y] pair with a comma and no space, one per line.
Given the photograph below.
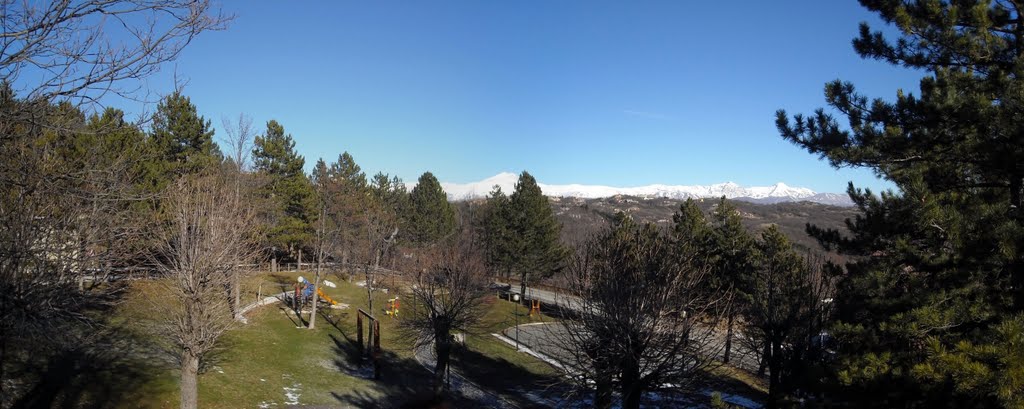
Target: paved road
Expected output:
[546,338]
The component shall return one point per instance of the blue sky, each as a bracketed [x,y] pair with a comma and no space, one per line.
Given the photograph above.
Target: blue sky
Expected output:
[594,92]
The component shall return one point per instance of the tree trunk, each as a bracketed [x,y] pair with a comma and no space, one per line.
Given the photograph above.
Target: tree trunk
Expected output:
[603,390]
[631,390]
[236,292]
[766,354]
[774,366]
[728,338]
[443,349]
[522,287]
[602,376]
[189,386]
[369,289]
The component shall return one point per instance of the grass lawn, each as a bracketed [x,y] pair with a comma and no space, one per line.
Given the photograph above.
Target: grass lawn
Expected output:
[273,361]
[495,364]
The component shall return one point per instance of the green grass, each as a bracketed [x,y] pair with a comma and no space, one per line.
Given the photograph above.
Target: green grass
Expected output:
[259,360]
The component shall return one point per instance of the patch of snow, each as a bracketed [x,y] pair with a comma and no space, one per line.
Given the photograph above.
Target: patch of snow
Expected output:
[292,394]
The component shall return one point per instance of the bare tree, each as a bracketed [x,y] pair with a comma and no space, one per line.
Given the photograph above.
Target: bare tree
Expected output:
[382,223]
[381,231]
[210,230]
[449,297]
[67,228]
[325,240]
[639,318]
[83,50]
[238,138]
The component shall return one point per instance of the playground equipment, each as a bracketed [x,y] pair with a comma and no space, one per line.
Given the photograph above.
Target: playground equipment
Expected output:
[372,346]
[304,291]
[392,307]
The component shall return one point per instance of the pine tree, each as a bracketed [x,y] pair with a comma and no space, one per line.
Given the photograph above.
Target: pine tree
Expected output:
[499,242]
[780,304]
[733,256]
[182,140]
[940,275]
[537,251]
[690,229]
[351,198]
[430,217]
[289,191]
[389,199]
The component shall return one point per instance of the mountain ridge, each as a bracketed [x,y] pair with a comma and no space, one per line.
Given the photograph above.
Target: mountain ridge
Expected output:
[777,193]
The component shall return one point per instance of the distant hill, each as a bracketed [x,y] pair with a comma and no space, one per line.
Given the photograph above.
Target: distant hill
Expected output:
[580,217]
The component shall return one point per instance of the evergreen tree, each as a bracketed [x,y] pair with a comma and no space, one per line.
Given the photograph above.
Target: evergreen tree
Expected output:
[430,217]
[351,199]
[537,251]
[389,197]
[690,229]
[733,256]
[182,140]
[499,242]
[927,311]
[780,305]
[290,193]
[319,174]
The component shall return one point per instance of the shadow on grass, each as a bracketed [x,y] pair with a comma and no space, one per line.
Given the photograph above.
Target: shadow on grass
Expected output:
[720,381]
[108,371]
[507,378]
[403,383]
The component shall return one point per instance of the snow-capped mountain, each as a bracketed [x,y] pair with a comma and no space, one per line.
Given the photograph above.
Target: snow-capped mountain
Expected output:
[778,192]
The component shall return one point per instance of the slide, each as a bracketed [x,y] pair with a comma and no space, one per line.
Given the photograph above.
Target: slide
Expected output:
[325,297]
[307,290]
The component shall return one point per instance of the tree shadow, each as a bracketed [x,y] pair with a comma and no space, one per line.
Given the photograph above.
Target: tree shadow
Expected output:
[718,381]
[511,381]
[403,383]
[107,371]
[295,317]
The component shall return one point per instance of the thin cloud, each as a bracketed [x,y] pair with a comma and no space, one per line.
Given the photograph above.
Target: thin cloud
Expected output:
[646,114]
